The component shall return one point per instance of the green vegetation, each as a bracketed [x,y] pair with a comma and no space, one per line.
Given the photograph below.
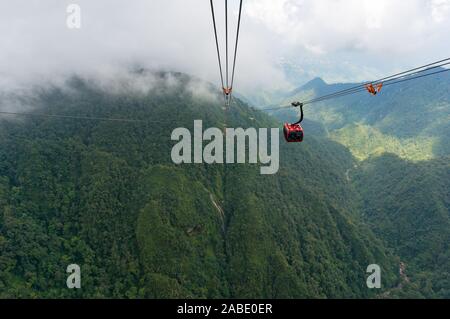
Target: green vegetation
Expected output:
[407,204]
[106,196]
[365,141]
[412,117]
[401,143]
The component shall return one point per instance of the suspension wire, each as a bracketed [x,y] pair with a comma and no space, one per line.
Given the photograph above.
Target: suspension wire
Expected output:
[225,79]
[227,106]
[236,45]
[363,88]
[217,42]
[226,40]
[411,76]
[398,80]
[417,77]
[393,79]
[276,108]
[405,73]
[89,118]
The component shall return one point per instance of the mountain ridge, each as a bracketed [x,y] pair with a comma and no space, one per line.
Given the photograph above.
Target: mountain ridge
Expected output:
[107,196]
[399,140]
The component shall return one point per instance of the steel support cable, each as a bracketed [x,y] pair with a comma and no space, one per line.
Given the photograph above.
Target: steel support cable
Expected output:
[408,77]
[358,89]
[226,41]
[217,42]
[399,80]
[363,89]
[73,117]
[405,73]
[386,79]
[236,45]
[418,77]
[395,81]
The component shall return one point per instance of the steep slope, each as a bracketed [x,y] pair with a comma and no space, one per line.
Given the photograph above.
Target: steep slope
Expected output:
[400,140]
[107,196]
[408,204]
[401,113]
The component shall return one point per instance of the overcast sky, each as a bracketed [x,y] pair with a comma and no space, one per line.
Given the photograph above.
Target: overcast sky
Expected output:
[339,40]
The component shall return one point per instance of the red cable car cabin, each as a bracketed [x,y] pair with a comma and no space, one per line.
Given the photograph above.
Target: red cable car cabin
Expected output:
[293,133]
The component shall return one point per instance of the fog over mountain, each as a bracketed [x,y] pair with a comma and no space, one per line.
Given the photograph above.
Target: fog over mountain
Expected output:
[316,37]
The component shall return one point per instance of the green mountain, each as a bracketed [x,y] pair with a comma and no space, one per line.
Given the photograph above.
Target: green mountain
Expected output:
[106,196]
[399,140]
[410,119]
[407,204]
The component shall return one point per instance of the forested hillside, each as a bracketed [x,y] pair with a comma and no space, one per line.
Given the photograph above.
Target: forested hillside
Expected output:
[400,141]
[407,204]
[410,119]
[106,196]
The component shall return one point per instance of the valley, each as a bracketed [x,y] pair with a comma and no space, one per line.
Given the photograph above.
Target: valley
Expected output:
[108,197]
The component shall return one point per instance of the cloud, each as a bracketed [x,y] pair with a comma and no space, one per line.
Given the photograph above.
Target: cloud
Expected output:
[336,39]
[327,26]
[440,10]
[383,36]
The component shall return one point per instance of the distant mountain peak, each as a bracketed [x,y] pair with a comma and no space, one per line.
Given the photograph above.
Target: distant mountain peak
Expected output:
[314,83]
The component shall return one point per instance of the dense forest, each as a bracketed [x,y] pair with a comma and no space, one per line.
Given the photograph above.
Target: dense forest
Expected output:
[106,196]
[407,204]
[410,119]
[399,140]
